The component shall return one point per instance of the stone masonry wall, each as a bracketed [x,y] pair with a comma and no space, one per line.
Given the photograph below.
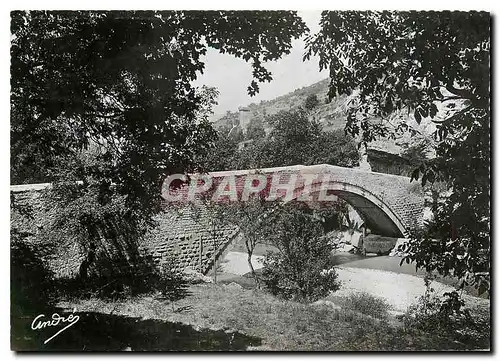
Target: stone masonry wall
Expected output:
[185,236]
[179,235]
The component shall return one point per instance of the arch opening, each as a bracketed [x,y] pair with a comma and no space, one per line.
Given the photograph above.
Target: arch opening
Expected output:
[377,216]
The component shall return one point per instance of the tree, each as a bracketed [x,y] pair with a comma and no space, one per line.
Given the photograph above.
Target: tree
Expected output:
[123,79]
[255,129]
[334,147]
[254,219]
[302,268]
[221,156]
[434,65]
[121,82]
[172,284]
[311,102]
[416,153]
[296,139]
[292,138]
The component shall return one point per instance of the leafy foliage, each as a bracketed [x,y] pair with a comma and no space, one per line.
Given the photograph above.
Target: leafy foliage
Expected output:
[222,154]
[447,315]
[255,219]
[255,129]
[434,65]
[411,56]
[416,154]
[171,284]
[96,216]
[294,139]
[311,102]
[120,84]
[31,281]
[123,80]
[302,268]
[297,140]
[107,232]
[332,215]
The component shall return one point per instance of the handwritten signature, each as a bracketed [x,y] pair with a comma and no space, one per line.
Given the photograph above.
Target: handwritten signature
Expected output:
[39,324]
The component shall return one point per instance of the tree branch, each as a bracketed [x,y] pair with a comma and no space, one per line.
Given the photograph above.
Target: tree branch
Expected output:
[461,93]
[453,116]
[100,115]
[450,98]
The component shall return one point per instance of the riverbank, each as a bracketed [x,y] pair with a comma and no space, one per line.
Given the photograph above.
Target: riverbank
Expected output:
[266,322]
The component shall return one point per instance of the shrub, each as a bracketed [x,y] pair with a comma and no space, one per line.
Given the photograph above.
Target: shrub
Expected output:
[171,284]
[107,230]
[32,283]
[447,315]
[302,268]
[367,304]
[311,102]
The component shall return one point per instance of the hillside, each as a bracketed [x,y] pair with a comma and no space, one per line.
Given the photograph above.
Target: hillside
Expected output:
[331,115]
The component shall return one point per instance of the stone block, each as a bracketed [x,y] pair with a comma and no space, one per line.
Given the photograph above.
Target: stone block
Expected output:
[373,243]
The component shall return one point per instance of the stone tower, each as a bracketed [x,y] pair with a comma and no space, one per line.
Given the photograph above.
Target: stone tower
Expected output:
[244,118]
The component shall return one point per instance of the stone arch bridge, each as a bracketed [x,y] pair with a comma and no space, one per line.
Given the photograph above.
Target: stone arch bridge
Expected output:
[390,206]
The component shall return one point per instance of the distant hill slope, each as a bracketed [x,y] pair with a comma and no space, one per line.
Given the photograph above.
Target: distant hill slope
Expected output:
[331,115]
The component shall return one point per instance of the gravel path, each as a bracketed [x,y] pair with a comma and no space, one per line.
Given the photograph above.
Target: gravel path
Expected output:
[236,263]
[400,286]
[399,290]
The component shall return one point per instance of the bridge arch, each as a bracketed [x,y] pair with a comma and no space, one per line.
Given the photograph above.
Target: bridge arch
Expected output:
[390,205]
[377,215]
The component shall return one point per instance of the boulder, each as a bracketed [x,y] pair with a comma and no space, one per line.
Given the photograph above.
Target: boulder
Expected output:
[233,285]
[374,243]
[347,248]
[193,276]
[327,303]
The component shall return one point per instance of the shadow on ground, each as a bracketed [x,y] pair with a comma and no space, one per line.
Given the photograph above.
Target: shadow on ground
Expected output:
[105,332]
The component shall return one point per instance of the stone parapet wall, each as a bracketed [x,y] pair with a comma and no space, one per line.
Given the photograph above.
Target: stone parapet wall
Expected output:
[178,236]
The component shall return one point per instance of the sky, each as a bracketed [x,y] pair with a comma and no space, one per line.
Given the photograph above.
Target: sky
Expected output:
[231,76]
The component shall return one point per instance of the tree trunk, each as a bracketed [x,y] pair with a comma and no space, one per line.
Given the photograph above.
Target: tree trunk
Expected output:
[201,256]
[254,275]
[215,265]
[250,247]
[362,242]
[83,272]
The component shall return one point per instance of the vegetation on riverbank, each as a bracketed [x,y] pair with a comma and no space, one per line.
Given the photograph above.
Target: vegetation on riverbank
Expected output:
[281,325]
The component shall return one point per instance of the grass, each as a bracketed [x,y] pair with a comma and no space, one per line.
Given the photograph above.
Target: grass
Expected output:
[281,325]
[366,304]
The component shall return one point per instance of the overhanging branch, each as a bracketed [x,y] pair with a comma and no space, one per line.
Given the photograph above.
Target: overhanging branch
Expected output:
[462,93]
